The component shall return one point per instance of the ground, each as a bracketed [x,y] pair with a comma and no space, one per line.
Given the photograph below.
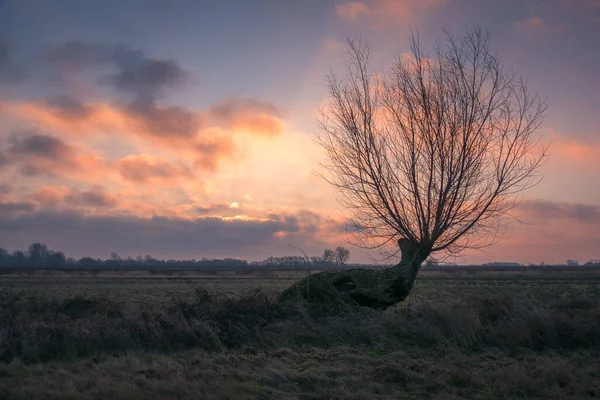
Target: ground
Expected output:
[148,337]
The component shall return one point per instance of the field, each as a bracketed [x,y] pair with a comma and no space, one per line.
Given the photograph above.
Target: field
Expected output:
[149,336]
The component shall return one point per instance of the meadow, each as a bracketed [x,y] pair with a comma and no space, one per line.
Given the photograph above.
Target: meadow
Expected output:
[149,336]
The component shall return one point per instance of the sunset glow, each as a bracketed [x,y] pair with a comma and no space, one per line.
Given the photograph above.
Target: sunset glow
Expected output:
[189,133]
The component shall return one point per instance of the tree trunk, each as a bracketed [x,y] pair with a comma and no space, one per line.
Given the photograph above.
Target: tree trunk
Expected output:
[377,289]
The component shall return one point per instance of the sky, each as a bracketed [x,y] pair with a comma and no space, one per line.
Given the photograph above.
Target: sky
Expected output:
[185,129]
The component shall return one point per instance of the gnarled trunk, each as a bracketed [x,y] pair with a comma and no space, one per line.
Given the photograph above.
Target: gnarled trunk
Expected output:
[370,288]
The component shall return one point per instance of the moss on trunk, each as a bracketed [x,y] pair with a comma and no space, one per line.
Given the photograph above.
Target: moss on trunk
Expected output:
[377,289]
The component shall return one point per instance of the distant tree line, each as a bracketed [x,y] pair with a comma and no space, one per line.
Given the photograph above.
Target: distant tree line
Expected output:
[40,256]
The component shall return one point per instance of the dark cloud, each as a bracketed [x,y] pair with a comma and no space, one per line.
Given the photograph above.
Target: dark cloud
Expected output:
[32,170]
[213,209]
[137,74]
[44,146]
[9,208]
[98,198]
[68,107]
[544,209]
[161,121]
[144,80]
[146,77]
[232,108]
[351,226]
[35,154]
[306,221]
[5,188]
[164,237]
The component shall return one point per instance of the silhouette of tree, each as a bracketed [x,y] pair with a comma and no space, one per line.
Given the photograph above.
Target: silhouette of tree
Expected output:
[430,155]
[328,256]
[37,254]
[19,258]
[56,259]
[342,255]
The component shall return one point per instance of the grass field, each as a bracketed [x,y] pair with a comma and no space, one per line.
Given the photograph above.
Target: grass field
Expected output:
[149,337]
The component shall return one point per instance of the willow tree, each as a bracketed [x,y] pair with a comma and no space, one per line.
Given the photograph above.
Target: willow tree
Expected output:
[431,155]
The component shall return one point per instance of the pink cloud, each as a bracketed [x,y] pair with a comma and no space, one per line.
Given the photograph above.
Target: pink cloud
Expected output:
[251,115]
[144,169]
[352,10]
[52,197]
[35,154]
[48,196]
[383,12]
[332,46]
[178,129]
[575,151]
[533,23]
[97,198]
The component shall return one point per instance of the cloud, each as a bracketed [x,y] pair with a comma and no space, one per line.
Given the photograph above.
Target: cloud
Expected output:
[36,154]
[73,117]
[151,155]
[54,198]
[137,74]
[43,146]
[4,160]
[253,115]
[163,121]
[165,237]
[5,188]
[211,147]
[97,198]
[332,46]
[50,196]
[378,13]
[146,78]
[143,169]
[353,10]
[536,210]
[577,152]
[203,138]
[171,127]
[68,107]
[532,23]
[218,209]
[12,208]
[551,231]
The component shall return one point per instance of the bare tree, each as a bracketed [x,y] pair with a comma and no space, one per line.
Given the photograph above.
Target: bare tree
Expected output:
[430,155]
[342,255]
[328,256]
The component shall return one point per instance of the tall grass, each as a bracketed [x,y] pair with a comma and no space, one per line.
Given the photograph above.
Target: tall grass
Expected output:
[36,329]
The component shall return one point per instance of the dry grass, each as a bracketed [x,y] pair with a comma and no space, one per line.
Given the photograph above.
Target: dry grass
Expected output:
[474,340]
[335,373]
